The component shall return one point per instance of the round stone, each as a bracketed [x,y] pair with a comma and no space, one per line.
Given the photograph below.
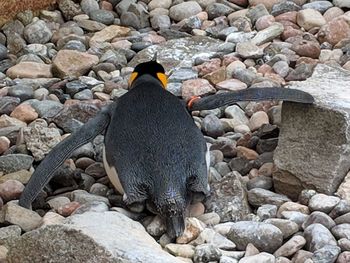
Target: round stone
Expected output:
[103,16]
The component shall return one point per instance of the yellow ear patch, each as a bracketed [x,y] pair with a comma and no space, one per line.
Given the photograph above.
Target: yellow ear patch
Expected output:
[163,79]
[133,76]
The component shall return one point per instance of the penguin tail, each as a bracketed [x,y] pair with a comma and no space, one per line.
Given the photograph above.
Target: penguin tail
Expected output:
[175,226]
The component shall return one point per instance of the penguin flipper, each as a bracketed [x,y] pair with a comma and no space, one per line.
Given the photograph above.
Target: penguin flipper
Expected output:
[251,94]
[45,171]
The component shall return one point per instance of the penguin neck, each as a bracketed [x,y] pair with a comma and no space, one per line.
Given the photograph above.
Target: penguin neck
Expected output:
[147,81]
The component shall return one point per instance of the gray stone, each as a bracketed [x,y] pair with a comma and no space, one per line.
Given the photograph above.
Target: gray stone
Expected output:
[183,74]
[89,5]
[321,6]
[341,231]
[319,217]
[14,162]
[83,238]
[261,258]
[46,108]
[344,244]
[341,3]
[343,219]
[287,227]
[216,9]
[295,216]
[205,253]
[258,197]
[8,233]
[249,50]
[268,34]
[21,91]
[329,116]
[123,6]
[3,52]
[283,7]
[229,198]
[267,211]
[160,22]
[263,182]
[37,32]
[212,126]
[245,232]
[256,12]
[326,254]
[317,236]
[209,236]
[238,37]
[323,203]
[184,10]
[84,197]
[40,139]
[175,53]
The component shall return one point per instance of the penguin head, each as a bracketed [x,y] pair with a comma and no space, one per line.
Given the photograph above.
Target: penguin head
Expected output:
[152,68]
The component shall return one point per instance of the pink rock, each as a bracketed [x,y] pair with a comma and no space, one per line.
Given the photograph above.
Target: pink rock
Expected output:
[29,70]
[264,22]
[263,69]
[24,112]
[231,84]
[4,144]
[275,77]
[258,119]
[306,48]
[310,18]
[68,209]
[288,16]
[267,3]
[197,209]
[105,5]
[10,190]
[208,66]
[332,13]
[154,39]
[229,58]
[334,31]
[243,3]
[196,87]
[290,32]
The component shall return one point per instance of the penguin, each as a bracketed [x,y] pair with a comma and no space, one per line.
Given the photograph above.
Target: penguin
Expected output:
[154,154]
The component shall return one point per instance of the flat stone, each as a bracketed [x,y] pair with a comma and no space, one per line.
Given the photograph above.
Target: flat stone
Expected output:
[258,197]
[14,162]
[73,63]
[196,87]
[290,247]
[323,203]
[184,10]
[341,231]
[329,116]
[21,176]
[229,199]
[319,217]
[344,188]
[261,258]
[309,18]
[29,70]
[328,253]
[98,241]
[180,52]
[268,34]
[17,215]
[108,33]
[245,232]
[287,227]
[248,50]
[180,250]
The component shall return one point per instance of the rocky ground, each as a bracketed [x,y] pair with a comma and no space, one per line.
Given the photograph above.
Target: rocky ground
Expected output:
[59,68]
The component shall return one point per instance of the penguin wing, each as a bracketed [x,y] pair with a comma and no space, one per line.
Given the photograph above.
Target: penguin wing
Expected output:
[61,152]
[250,94]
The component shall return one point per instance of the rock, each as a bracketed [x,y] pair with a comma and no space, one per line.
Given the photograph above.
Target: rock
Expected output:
[307,48]
[318,236]
[40,140]
[344,257]
[341,231]
[52,218]
[102,16]
[212,126]
[94,206]
[258,197]
[10,190]
[320,218]
[184,10]
[179,250]
[267,211]
[341,3]
[334,31]
[68,209]
[210,218]
[344,188]
[73,63]
[9,233]
[283,7]
[294,216]
[37,32]
[69,9]
[14,162]
[132,245]
[247,153]
[290,247]
[192,230]
[206,252]
[245,232]
[108,33]
[268,34]
[29,70]
[261,258]
[3,52]
[323,203]
[258,119]
[215,10]
[58,201]
[196,87]
[310,18]
[209,236]
[89,5]
[84,197]
[256,12]
[281,68]
[287,227]
[248,50]
[25,113]
[176,53]
[159,4]
[304,120]
[17,215]
[229,199]
[301,256]
[328,253]
[4,144]
[231,85]
[343,219]
[156,227]
[320,6]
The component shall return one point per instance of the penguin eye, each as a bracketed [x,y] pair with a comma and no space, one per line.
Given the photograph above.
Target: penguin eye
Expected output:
[163,79]
[132,78]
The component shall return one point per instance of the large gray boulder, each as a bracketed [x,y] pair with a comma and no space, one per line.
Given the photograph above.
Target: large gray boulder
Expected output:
[108,237]
[314,143]
[182,52]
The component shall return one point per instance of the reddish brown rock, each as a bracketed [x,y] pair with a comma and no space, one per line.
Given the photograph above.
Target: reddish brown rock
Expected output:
[72,63]
[288,16]
[196,87]
[208,67]
[263,69]
[10,190]
[305,48]
[105,5]
[332,13]
[30,70]
[216,76]
[108,33]
[4,144]
[24,112]
[264,22]
[68,209]
[334,31]
[231,84]
[247,153]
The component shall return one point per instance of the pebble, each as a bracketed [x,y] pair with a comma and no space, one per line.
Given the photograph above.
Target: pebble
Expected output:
[323,203]
[10,190]
[184,10]
[193,227]
[67,209]
[156,227]
[261,257]
[28,69]
[181,250]
[196,87]
[287,227]
[290,247]
[319,217]
[341,231]
[206,252]
[317,236]
[328,253]
[258,197]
